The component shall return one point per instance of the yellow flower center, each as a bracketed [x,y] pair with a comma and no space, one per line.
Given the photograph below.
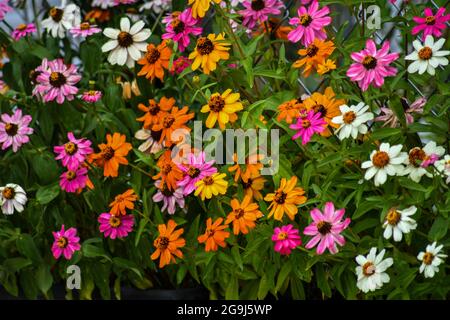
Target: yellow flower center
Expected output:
[85,26]
[280,197]
[416,156]
[425,53]
[369,62]
[21,27]
[428,258]
[349,117]
[115,221]
[177,26]
[125,39]
[162,243]
[8,193]
[312,50]
[152,55]
[11,129]
[168,121]
[324,227]
[62,242]
[204,46]
[208,180]
[380,159]
[57,79]
[70,148]
[193,172]
[56,14]
[239,213]
[216,103]
[282,235]
[368,268]
[70,175]
[108,153]
[393,217]
[430,20]
[305,20]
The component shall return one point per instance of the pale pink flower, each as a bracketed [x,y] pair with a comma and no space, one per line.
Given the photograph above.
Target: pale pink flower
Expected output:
[23,30]
[181,27]
[66,243]
[389,118]
[84,29]
[115,226]
[432,24]
[307,125]
[170,198]
[4,9]
[91,96]
[286,238]
[326,229]
[258,11]
[74,152]
[14,130]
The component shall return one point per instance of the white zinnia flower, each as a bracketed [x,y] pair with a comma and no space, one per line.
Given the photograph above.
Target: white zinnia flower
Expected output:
[104,4]
[12,196]
[427,56]
[383,162]
[431,259]
[127,44]
[352,120]
[61,19]
[398,222]
[156,5]
[443,166]
[371,270]
[420,158]
[151,144]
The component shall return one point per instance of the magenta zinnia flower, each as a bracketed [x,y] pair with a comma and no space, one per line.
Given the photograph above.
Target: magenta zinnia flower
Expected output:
[115,226]
[286,238]
[57,81]
[72,180]
[74,152]
[66,243]
[180,64]
[91,96]
[14,130]
[326,229]
[372,66]
[23,30]
[307,125]
[85,29]
[310,23]
[258,11]
[180,27]
[431,24]
[170,198]
[195,170]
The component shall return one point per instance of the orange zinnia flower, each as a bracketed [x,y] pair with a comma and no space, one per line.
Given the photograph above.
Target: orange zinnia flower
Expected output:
[251,167]
[169,172]
[243,215]
[97,15]
[290,110]
[155,110]
[274,27]
[214,235]
[155,60]
[122,202]
[167,244]
[172,121]
[112,154]
[253,186]
[313,55]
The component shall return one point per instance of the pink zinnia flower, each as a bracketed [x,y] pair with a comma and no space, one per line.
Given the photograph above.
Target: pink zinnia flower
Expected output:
[66,243]
[326,229]
[170,198]
[310,23]
[115,226]
[180,27]
[195,170]
[307,125]
[4,9]
[431,24]
[23,30]
[372,66]
[14,130]
[258,11]
[180,64]
[72,180]
[286,238]
[119,2]
[91,96]
[57,81]
[389,118]
[74,152]
[85,29]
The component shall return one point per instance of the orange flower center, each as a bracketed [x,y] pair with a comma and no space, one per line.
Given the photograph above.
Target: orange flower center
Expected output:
[349,117]
[62,242]
[70,148]
[416,156]
[258,5]
[312,50]
[152,55]
[177,25]
[428,258]
[210,232]
[425,53]
[282,235]
[153,108]
[305,20]
[125,39]
[57,79]
[393,217]
[56,14]
[92,93]
[70,175]
[320,108]
[306,123]
[115,221]
[21,27]
[280,197]
[11,129]
[85,26]
[369,62]
[216,103]
[193,172]
[204,46]
[166,191]
[239,213]
[208,180]
[247,184]
[324,227]
[166,168]
[168,121]
[430,20]
[8,193]
[108,153]
[380,159]
[162,243]
[368,268]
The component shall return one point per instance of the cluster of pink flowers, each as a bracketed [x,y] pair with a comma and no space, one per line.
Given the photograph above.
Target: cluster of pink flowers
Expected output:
[14,130]
[307,125]
[325,230]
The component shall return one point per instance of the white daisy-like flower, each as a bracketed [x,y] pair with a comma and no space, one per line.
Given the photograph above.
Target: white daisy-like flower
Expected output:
[12,196]
[421,158]
[383,162]
[156,5]
[104,4]
[371,270]
[431,259]
[427,56]
[126,44]
[352,120]
[61,19]
[443,166]
[151,138]
[399,222]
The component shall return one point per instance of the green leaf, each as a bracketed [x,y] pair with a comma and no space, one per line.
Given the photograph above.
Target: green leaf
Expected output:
[91,251]
[46,194]
[25,244]
[282,276]
[232,291]
[439,229]
[237,257]
[44,278]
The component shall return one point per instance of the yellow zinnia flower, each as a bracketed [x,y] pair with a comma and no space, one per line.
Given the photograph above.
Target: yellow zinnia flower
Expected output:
[208,51]
[222,108]
[200,7]
[211,185]
[285,199]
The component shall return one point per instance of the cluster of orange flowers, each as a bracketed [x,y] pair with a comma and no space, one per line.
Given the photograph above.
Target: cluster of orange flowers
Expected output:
[315,57]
